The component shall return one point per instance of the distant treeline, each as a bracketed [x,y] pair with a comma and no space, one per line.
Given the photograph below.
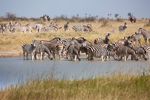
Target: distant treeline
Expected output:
[77,18]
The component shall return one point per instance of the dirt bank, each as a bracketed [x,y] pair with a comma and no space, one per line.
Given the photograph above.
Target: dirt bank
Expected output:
[9,54]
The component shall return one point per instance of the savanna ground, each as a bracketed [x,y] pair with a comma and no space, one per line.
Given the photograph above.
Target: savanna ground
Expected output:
[12,42]
[114,88]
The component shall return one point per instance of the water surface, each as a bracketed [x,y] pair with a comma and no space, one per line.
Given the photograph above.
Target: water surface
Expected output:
[16,70]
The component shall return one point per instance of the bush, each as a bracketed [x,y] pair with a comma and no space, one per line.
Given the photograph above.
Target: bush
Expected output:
[10,16]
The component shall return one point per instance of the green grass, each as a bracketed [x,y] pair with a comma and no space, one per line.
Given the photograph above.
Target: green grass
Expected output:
[114,88]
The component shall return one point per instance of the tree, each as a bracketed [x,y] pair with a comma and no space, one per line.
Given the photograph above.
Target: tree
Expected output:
[10,16]
[129,14]
[116,15]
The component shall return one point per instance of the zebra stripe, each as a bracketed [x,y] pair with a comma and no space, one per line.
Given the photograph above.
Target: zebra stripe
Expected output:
[97,50]
[147,49]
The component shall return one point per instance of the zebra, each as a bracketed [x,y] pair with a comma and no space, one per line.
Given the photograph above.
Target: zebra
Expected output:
[55,45]
[38,27]
[107,40]
[27,50]
[31,49]
[73,52]
[103,41]
[78,28]
[66,26]
[54,26]
[145,34]
[147,48]
[3,28]
[41,49]
[45,18]
[137,38]
[125,51]
[132,19]
[97,51]
[123,27]
[87,28]
[141,52]
[82,28]
[72,45]
[16,27]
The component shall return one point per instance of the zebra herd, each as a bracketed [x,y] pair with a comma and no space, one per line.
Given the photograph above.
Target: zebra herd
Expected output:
[12,27]
[77,48]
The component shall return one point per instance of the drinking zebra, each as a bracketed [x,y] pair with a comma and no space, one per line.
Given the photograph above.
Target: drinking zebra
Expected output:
[33,50]
[97,51]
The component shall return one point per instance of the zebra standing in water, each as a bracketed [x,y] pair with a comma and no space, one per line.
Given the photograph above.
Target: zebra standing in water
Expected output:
[147,48]
[97,51]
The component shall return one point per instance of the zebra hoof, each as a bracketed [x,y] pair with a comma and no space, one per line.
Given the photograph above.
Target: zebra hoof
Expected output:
[136,59]
[51,58]
[145,59]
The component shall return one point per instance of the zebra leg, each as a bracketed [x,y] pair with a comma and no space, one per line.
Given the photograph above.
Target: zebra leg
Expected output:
[27,56]
[41,56]
[71,57]
[120,58]
[78,57]
[36,56]
[75,57]
[107,58]
[53,55]
[60,54]
[132,57]
[24,55]
[90,57]
[33,56]
[102,58]
[125,58]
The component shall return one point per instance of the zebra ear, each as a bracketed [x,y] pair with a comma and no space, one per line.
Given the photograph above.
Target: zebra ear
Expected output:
[33,45]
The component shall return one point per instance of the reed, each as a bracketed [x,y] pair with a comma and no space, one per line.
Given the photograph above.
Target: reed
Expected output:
[112,88]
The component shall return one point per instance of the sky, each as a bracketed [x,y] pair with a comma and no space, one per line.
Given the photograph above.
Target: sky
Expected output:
[53,8]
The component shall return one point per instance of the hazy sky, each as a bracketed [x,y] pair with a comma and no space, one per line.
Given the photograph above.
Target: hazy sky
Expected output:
[36,8]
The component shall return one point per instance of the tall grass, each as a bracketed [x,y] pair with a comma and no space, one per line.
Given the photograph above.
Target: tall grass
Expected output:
[114,88]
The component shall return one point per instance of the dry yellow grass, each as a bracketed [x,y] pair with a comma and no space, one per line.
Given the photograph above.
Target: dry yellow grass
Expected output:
[13,41]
